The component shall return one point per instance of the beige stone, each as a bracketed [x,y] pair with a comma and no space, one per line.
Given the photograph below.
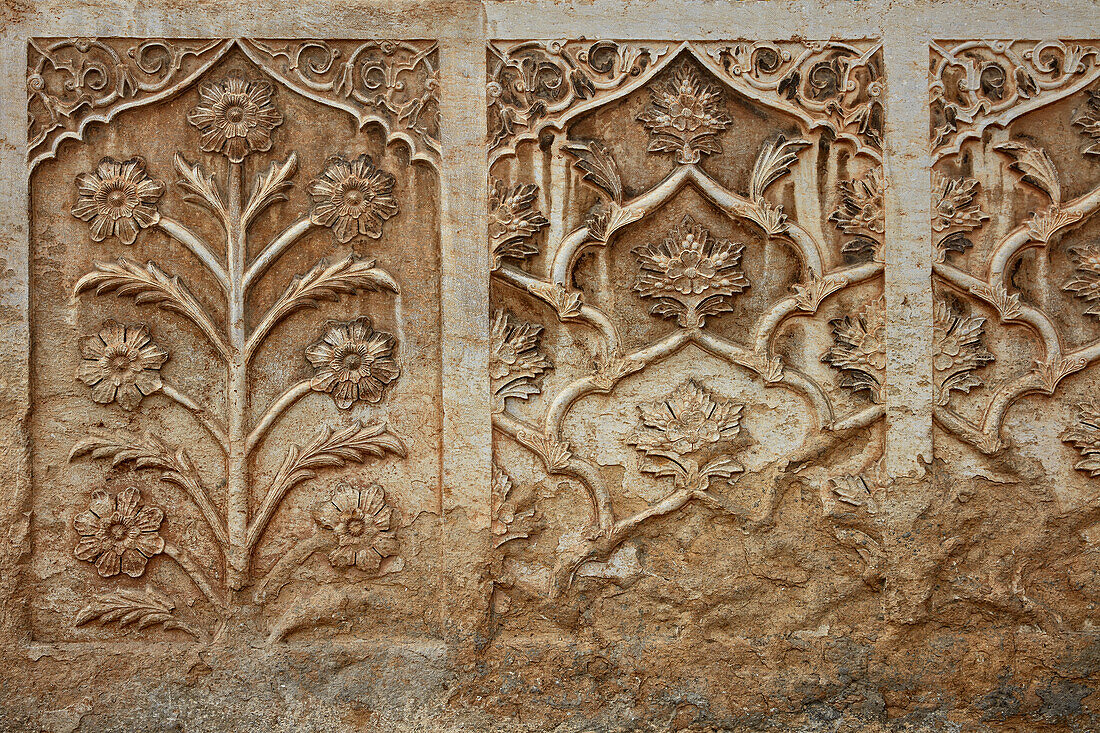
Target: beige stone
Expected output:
[537,366]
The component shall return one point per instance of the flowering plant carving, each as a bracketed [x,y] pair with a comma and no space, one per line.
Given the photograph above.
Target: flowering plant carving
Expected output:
[690,274]
[122,363]
[235,117]
[119,534]
[118,199]
[514,360]
[684,116]
[684,422]
[859,349]
[352,198]
[1085,283]
[957,351]
[353,362]
[513,220]
[861,207]
[511,520]
[360,520]
[953,205]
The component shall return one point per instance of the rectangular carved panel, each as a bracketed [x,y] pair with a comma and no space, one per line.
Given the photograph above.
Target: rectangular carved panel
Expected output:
[688,338]
[235,337]
[1015,190]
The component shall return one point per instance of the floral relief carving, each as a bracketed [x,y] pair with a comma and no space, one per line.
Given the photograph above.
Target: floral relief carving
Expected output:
[237,118]
[575,232]
[958,351]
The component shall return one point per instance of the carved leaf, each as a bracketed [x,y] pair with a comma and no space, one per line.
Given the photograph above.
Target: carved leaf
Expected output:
[601,225]
[567,304]
[1051,373]
[200,188]
[775,159]
[555,454]
[598,167]
[769,217]
[1008,306]
[809,296]
[1044,224]
[333,448]
[957,351]
[1034,166]
[125,607]
[270,186]
[329,282]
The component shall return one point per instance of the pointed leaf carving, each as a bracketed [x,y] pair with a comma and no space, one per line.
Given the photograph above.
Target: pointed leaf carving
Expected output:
[124,607]
[598,166]
[270,186]
[775,159]
[1034,166]
[199,188]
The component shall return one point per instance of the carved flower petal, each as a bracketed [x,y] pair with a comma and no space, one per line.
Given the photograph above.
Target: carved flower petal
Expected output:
[90,372]
[386,544]
[320,353]
[149,519]
[345,394]
[104,392]
[102,227]
[87,523]
[346,497]
[147,382]
[342,557]
[149,544]
[108,564]
[88,549]
[101,505]
[126,503]
[129,396]
[367,560]
[324,381]
[133,563]
[372,500]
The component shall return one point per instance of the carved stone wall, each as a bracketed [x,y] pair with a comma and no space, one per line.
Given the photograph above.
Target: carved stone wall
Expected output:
[482,366]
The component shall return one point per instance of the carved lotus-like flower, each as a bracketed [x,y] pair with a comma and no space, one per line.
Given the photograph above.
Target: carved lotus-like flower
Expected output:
[118,199]
[235,117]
[514,360]
[690,268]
[953,204]
[121,363]
[685,421]
[353,362]
[859,349]
[861,206]
[684,116]
[119,534]
[957,351]
[361,521]
[352,198]
[513,220]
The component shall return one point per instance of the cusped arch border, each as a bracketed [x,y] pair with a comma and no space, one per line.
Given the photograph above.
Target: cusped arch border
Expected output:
[123,88]
[774,87]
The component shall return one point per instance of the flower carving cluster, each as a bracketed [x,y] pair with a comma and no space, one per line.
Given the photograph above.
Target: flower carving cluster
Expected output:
[684,117]
[1088,120]
[119,534]
[953,205]
[121,363]
[361,522]
[118,199]
[957,351]
[353,362]
[513,220]
[235,117]
[515,362]
[690,273]
[352,197]
[861,209]
[684,422]
[859,349]
[1085,282]
[1085,437]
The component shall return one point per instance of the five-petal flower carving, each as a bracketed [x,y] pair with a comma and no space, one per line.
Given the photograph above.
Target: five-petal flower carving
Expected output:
[353,362]
[119,198]
[121,363]
[861,208]
[119,534]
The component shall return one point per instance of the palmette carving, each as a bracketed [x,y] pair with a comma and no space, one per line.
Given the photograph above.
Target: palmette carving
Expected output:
[237,118]
[566,208]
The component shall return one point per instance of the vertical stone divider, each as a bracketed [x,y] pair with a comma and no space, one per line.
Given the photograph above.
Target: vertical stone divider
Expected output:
[908,306]
[467,430]
[14,339]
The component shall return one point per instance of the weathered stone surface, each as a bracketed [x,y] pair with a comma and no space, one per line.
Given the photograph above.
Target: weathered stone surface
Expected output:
[521,366]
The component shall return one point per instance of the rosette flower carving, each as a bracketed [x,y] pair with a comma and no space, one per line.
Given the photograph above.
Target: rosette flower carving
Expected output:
[121,363]
[690,274]
[861,208]
[957,351]
[684,116]
[235,117]
[859,349]
[514,360]
[119,534]
[361,521]
[118,199]
[513,220]
[953,205]
[353,362]
[352,197]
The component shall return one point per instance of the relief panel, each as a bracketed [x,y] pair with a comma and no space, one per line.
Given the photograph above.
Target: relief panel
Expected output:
[1015,190]
[688,336]
[235,338]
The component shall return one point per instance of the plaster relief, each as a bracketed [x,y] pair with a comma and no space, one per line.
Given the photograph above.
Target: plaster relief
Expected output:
[688,334]
[235,337]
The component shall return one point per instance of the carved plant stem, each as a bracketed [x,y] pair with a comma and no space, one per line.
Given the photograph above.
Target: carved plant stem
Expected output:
[198,577]
[270,585]
[192,242]
[275,411]
[208,421]
[237,387]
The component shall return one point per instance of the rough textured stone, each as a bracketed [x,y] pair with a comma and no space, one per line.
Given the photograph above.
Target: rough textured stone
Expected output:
[527,366]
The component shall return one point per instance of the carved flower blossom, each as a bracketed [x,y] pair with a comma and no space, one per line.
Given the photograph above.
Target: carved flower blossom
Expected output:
[686,420]
[514,359]
[859,349]
[1085,283]
[684,116]
[957,351]
[513,220]
[235,117]
[353,362]
[119,534]
[118,199]
[953,204]
[861,206]
[352,198]
[690,269]
[360,520]
[121,363]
